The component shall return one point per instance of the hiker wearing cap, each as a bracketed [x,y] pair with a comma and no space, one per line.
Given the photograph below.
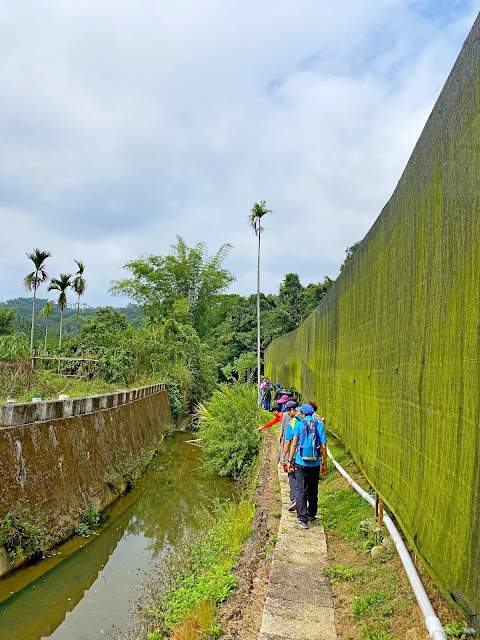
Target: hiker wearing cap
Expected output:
[278,413]
[309,443]
[291,410]
[278,392]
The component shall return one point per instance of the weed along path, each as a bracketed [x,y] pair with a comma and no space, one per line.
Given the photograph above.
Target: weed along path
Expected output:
[89,585]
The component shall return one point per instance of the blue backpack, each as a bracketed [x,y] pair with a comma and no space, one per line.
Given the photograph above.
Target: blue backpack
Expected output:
[309,440]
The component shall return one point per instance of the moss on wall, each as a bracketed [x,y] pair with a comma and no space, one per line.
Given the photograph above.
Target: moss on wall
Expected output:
[60,465]
[392,355]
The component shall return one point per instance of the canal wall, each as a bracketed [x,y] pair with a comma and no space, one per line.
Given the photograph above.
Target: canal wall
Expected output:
[57,454]
[392,354]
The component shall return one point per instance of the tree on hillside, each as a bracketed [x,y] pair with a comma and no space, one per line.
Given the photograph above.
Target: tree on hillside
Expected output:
[255,217]
[34,279]
[350,251]
[79,286]
[7,321]
[290,294]
[61,284]
[298,300]
[183,283]
[45,311]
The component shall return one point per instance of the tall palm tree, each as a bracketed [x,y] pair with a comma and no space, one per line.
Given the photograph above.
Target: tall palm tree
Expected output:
[33,280]
[79,286]
[257,213]
[45,311]
[61,284]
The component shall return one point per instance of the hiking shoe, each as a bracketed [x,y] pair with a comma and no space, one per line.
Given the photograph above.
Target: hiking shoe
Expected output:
[299,523]
[311,519]
[293,506]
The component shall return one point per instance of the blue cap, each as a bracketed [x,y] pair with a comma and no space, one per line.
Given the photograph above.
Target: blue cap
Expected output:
[277,384]
[307,409]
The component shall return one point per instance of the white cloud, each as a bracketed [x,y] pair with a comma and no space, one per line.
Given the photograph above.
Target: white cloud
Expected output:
[124,124]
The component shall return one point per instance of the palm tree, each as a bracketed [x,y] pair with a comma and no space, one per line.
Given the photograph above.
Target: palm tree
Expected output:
[33,280]
[257,213]
[79,286]
[61,284]
[45,311]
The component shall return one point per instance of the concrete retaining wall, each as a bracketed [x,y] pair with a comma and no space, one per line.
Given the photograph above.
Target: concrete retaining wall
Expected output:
[392,355]
[56,454]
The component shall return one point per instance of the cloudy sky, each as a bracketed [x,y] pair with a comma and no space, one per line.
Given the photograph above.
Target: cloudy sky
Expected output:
[124,124]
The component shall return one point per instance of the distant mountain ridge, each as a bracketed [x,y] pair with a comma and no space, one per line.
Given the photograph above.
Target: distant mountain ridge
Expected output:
[23,313]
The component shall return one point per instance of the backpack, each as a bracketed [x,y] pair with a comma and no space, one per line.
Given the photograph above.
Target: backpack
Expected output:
[267,394]
[309,441]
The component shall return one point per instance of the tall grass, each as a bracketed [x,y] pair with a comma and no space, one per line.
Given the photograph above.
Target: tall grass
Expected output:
[227,426]
[14,348]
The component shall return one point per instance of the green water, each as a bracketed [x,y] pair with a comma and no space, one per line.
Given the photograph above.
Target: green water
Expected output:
[91,584]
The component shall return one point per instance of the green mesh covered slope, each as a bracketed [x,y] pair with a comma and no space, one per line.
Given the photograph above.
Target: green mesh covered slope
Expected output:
[392,355]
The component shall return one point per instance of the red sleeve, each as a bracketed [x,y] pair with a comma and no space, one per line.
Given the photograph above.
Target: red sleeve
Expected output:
[272,422]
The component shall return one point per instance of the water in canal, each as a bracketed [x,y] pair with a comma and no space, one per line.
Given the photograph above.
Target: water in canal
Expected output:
[90,584]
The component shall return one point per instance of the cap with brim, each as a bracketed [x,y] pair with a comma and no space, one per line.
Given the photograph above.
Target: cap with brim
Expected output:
[277,384]
[276,407]
[307,409]
[283,399]
[291,404]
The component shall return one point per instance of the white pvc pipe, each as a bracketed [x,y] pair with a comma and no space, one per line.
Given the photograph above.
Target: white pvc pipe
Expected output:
[432,622]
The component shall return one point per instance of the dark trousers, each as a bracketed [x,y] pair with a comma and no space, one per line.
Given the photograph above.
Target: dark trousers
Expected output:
[307,491]
[266,404]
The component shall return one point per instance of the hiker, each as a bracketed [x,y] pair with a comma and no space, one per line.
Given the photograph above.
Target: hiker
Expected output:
[292,411]
[310,443]
[278,392]
[278,413]
[315,415]
[267,396]
[283,428]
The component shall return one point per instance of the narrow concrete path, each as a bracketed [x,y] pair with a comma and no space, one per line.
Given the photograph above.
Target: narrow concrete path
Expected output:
[298,603]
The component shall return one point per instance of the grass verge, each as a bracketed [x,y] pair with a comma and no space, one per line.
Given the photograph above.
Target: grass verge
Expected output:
[183,599]
[373,598]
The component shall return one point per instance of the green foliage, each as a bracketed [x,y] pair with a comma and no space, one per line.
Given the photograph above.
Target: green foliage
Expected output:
[376,634]
[33,280]
[102,331]
[14,348]
[61,284]
[350,252]
[342,512]
[244,366]
[20,532]
[7,321]
[89,521]
[200,571]
[338,573]
[227,427]
[127,473]
[168,285]
[455,630]
[373,600]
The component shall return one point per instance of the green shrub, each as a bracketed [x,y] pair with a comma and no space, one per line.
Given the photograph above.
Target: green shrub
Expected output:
[20,532]
[127,473]
[89,521]
[227,427]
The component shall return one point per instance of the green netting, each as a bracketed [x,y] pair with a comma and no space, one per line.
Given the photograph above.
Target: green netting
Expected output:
[392,355]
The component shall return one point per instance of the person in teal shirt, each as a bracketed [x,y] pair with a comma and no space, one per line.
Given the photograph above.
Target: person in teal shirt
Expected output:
[307,471]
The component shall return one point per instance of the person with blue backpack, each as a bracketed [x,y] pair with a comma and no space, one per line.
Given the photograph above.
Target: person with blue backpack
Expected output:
[309,445]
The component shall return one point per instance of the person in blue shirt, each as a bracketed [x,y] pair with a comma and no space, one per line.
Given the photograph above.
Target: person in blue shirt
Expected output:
[307,471]
[291,410]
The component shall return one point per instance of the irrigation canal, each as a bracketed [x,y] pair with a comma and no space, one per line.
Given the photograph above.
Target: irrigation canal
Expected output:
[89,585]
